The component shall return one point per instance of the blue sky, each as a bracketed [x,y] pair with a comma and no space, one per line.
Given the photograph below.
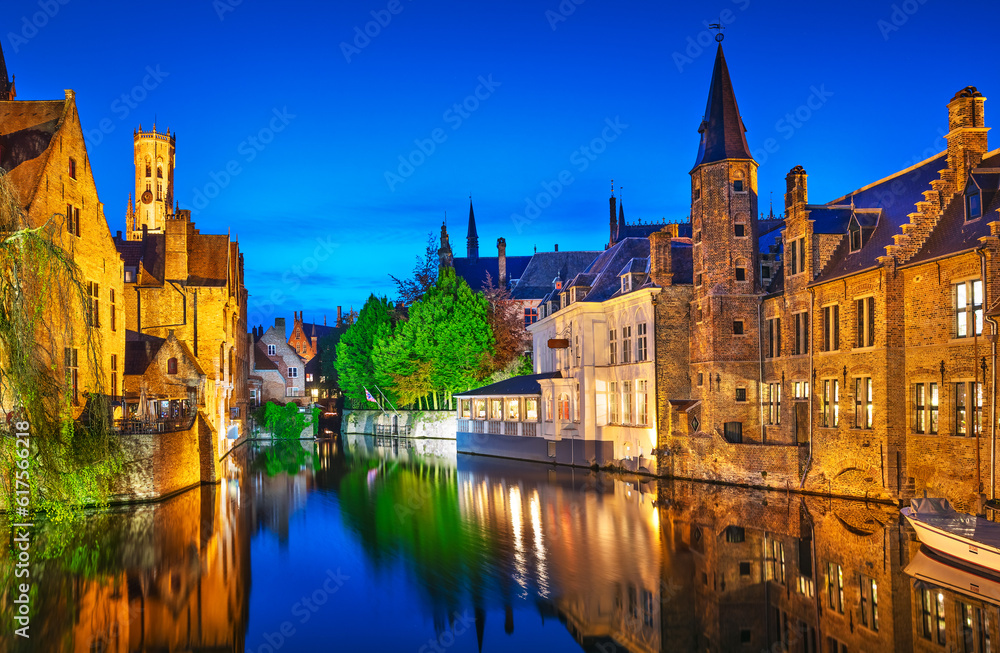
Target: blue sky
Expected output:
[315,117]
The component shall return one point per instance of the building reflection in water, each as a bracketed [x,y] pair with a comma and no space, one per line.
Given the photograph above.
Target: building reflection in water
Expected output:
[173,576]
[620,563]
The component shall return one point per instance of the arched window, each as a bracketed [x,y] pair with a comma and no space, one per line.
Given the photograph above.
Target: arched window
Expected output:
[563,407]
[740,225]
[740,269]
[738,184]
[149,168]
[172,366]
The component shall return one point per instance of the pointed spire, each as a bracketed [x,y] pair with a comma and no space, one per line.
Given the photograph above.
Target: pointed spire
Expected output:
[6,85]
[473,237]
[722,130]
[621,215]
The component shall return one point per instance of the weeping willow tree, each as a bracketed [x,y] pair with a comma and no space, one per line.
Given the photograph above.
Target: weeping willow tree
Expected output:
[43,301]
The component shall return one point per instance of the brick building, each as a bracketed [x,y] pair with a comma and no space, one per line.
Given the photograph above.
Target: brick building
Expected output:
[272,352]
[181,281]
[841,349]
[43,152]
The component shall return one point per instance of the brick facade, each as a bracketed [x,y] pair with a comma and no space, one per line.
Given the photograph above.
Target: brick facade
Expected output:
[811,338]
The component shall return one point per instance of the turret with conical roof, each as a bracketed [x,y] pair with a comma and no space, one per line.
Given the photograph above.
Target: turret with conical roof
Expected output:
[723,135]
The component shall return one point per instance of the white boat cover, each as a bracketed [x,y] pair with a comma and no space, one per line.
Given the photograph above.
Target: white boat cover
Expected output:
[940,514]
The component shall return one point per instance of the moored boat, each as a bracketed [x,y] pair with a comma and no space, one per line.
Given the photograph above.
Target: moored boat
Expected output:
[969,539]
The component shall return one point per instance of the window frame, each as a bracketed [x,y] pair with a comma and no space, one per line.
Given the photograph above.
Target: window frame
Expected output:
[864,327]
[971,311]
[864,406]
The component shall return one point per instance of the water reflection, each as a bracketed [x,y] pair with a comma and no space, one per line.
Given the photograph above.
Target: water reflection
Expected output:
[472,554]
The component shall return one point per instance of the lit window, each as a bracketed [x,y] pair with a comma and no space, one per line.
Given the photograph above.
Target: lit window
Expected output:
[640,342]
[865,330]
[830,415]
[612,346]
[835,587]
[869,603]
[932,615]
[642,400]
[626,344]
[969,308]
[863,404]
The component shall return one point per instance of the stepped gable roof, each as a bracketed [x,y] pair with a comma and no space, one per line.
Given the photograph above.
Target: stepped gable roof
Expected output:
[26,131]
[953,234]
[896,196]
[208,259]
[535,282]
[260,360]
[518,385]
[474,270]
[723,135]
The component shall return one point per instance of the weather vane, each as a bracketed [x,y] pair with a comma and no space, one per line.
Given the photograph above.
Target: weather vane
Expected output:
[718,27]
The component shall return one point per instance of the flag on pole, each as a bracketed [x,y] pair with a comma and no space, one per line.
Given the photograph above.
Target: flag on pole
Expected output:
[369,396]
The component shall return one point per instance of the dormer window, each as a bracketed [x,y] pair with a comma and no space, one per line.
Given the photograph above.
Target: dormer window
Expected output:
[973,200]
[626,283]
[854,231]
[557,283]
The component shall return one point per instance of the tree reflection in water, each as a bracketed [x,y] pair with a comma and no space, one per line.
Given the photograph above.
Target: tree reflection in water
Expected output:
[524,556]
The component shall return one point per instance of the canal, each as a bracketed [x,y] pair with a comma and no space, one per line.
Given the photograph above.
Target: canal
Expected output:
[331,546]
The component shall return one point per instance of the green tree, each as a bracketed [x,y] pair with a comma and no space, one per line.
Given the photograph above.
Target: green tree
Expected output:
[425,273]
[353,362]
[446,344]
[285,422]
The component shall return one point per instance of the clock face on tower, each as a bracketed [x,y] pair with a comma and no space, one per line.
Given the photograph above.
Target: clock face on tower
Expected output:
[147,197]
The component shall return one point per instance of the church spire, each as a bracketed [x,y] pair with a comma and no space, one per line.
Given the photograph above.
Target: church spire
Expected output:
[473,237]
[722,130]
[6,84]
[621,216]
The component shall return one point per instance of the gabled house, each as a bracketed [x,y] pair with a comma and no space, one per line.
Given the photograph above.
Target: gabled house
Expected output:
[43,152]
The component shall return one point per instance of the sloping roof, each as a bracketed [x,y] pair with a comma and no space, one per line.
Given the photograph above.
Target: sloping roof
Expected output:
[321,330]
[897,196]
[474,271]
[208,258]
[518,385]
[140,351]
[722,132]
[952,233]
[130,251]
[608,264]
[26,131]
[535,281]
[260,360]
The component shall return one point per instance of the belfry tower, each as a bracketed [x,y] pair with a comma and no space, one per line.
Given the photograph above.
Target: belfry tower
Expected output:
[154,182]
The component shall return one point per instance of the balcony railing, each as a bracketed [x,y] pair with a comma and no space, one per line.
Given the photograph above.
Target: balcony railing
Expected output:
[497,427]
[146,427]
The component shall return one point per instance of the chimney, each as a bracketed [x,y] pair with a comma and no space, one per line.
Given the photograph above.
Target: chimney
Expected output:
[660,262]
[795,189]
[176,251]
[502,261]
[279,323]
[966,133]
[557,247]
[339,315]
[324,320]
